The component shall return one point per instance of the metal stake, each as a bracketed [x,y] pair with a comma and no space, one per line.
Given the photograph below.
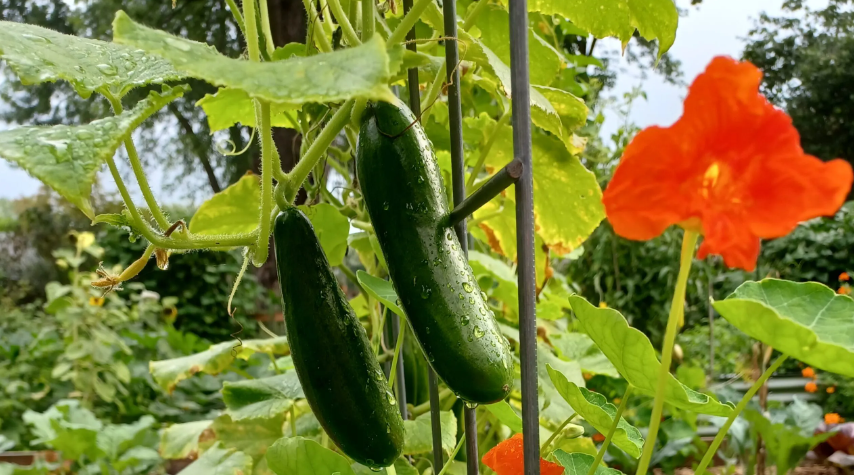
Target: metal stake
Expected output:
[433,383]
[458,177]
[493,186]
[525,231]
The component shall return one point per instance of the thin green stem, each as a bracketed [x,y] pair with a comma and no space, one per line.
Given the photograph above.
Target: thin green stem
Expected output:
[362,225]
[293,419]
[251,30]
[138,172]
[241,373]
[408,21]
[368,7]
[352,276]
[450,461]
[710,453]
[353,14]
[544,448]
[238,18]
[433,92]
[266,132]
[315,152]
[689,242]
[393,372]
[265,27]
[484,152]
[425,408]
[344,22]
[471,18]
[274,364]
[601,453]
[316,29]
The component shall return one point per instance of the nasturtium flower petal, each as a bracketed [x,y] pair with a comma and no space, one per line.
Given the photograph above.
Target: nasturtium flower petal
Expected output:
[507,458]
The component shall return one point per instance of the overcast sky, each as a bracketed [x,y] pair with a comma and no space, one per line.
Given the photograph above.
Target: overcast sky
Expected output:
[715,27]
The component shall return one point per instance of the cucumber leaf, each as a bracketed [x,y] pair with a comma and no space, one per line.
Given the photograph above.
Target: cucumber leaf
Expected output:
[596,410]
[234,106]
[506,414]
[634,357]
[220,461]
[250,436]
[579,464]
[381,290]
[67,158]
[418,434]
[362,71]
[300,456]
[39,55]
[332,229]
[807,321]
[225,212]
[261,398]
[182,440]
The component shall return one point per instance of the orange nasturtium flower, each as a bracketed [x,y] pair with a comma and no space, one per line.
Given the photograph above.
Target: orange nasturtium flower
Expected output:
[844,277]
[808,372]
[811,387]
[507,458]
[844,290]
[832,418]
[831,389]
[731,168]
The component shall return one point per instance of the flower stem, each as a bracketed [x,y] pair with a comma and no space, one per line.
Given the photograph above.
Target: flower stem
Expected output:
[548,442]
[450,461]
[397,347]
[677,310]
[138,172]
[611,431]
[710,453]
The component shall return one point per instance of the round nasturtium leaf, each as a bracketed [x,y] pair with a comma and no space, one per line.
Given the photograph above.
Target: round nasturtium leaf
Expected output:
[807,321]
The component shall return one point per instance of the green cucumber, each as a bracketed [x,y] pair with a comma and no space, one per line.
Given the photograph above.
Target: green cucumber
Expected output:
[340,376]
[403,191]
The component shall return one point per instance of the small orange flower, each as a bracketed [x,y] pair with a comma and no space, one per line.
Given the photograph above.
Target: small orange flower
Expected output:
[587,376]
[832,418]
[598,437]
[844,277]
[831,389]
[507,458]
[844,290]
[811,387]
[731,167]
[808,372]
[617,400]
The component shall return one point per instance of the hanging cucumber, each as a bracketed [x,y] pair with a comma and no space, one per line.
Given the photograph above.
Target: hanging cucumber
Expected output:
[340,376]
[404,195]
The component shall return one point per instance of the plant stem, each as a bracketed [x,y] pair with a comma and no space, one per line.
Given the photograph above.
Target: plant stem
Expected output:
[710,453]
[352,276]
[138,172]
[241,373]
[408,21]
[484,152]
[601,453]
[397,347]
[238,18]
[344,22]
[425,408]
[433,92]
[251,30]
[300,172]
[273,362]
[266,133]
[453,454]
[677,310]
[368,7]
[474,13]
[353,14]
[293,420]
[265,26]
[557,431]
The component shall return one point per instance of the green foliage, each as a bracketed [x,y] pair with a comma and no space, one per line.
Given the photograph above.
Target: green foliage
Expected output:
[298,456]
[224,212]
[579,464]
[786,445]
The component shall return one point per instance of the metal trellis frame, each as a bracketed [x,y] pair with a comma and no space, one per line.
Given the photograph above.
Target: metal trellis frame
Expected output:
[518,172]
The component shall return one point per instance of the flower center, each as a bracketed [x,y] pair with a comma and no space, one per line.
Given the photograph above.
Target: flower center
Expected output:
[710,179]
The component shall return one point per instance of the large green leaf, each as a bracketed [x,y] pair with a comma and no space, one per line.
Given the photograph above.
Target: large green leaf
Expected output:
[67,158]
[596,410]
[214,360]
[362,71]
[40,55]
[182,440]
[401,467]
[234,106]
[261,398]
[250,436]
[556,409]
[116,439]
[579,464]
[381,290]
[226,211]
[332,229]
[418,434]
[567,197]
[634,357]
[652,18]
[581,348]
[506,414]
[299,456]
[220,461]
[786,445]
[506,288]
[808,321]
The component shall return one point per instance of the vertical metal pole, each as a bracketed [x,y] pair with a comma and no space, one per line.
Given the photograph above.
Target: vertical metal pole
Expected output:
[458,178]
[433,382]
[525,231]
